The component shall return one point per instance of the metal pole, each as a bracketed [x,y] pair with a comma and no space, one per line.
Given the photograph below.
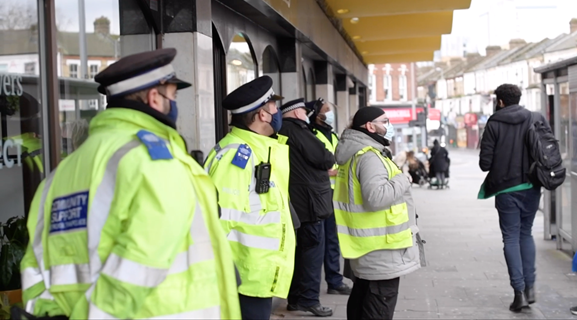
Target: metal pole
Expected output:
[82,40]
[413,105]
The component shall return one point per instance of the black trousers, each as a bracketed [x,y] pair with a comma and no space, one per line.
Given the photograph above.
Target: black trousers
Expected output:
[306,283]
[373,300]
[253,308]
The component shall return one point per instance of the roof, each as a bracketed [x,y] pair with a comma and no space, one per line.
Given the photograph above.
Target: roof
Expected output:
[462,67]
[26,41]
[568,41]
[493,61]
[524,52]
[557,65]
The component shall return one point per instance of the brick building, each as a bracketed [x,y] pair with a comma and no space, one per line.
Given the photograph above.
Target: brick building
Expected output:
[391,83]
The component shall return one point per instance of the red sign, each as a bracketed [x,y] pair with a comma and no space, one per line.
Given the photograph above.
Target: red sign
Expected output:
[404,115]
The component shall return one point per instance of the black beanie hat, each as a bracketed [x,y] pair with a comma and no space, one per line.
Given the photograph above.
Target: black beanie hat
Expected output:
[366,114]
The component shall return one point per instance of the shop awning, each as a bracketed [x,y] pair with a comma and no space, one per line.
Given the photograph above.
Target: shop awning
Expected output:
[388,31]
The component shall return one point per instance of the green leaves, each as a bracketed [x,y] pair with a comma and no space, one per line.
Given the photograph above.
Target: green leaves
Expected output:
[14,241]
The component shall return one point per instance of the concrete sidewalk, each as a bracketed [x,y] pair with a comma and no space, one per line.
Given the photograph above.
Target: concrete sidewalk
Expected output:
[466,276]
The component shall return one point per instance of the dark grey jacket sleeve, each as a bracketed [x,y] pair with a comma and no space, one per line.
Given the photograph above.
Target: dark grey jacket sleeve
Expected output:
[379,192]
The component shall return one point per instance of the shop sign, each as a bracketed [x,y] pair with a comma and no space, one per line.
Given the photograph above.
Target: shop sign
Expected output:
[4,154]
[10,84]
[404,115]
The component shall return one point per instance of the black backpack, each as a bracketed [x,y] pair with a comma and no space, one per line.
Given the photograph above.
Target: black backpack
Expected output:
[547,167]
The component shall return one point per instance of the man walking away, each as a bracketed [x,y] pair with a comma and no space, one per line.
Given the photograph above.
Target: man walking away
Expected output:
[310,192]
[505,155]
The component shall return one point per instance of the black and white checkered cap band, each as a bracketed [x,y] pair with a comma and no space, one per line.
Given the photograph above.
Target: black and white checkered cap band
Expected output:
[256,104]
[294,106]
[142,81]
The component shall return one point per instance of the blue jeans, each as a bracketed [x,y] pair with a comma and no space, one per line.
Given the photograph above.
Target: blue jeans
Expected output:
[516,215]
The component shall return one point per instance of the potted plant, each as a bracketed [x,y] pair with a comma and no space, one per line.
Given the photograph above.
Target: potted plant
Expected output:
[13,241]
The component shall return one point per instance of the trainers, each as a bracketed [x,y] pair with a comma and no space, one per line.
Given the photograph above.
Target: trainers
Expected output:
[574,310]
[342,289]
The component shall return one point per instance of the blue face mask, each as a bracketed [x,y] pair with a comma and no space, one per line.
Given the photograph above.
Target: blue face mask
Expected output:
[173,113]
[276,122]
[330,120]
[390,132]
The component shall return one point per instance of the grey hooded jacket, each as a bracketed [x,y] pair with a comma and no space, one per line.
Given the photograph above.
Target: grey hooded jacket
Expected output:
[379,192]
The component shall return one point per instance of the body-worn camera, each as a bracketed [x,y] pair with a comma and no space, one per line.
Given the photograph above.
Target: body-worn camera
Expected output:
[262,174]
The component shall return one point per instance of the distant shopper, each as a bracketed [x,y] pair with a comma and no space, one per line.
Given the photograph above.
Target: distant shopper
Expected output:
[375,216]
[505,156]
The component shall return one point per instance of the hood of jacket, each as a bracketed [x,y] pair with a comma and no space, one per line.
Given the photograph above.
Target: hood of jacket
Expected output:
[351,142]
[514,114]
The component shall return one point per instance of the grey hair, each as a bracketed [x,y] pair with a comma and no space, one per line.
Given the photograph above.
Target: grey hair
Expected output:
[79,132]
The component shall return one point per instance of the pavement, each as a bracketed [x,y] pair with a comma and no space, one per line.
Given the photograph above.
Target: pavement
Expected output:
[466,275]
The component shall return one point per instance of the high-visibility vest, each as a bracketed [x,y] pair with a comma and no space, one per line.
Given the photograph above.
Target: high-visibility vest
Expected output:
[127,227]
[331,146]
[31,150]
[361,231]
[259,226]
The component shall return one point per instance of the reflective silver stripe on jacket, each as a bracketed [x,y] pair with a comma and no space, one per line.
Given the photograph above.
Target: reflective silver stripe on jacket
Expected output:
[249,240]
[200,250]
[253,218]
[373,232]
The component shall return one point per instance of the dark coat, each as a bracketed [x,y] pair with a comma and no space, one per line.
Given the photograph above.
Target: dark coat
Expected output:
[504,152]
[439,161]
[310,187]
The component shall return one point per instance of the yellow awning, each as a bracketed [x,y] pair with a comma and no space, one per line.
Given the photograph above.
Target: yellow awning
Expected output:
[387,31]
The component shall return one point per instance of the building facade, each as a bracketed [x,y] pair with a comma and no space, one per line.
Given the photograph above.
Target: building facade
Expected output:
[391,83]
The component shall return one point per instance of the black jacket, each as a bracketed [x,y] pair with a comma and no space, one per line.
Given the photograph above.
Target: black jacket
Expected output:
[503,149]
[310,187]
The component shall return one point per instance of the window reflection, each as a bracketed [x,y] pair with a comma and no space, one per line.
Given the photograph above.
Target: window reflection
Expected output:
[311,90]
[240,66]
[270,67]
[21,152]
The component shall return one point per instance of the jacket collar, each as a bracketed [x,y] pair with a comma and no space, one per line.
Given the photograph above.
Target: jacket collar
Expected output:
[142,107]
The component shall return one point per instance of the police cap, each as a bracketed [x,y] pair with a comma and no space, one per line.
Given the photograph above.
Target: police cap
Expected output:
[294,104]
[139,72]
[250,96]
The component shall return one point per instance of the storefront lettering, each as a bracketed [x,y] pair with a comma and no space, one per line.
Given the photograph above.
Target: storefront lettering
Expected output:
[4,155]
[11,84]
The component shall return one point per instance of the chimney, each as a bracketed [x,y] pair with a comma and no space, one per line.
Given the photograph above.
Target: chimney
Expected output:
[455,61]
[492,50]
[102,25]
[516,43]
[573,25]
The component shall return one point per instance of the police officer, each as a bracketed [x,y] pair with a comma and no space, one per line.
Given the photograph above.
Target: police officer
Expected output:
[126,227]
[250,170]
[310,188]
[322,121]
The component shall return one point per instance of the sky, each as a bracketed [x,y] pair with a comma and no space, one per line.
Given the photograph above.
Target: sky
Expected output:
[495,22]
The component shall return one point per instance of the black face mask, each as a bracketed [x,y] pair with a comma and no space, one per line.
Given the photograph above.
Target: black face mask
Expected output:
[375,136]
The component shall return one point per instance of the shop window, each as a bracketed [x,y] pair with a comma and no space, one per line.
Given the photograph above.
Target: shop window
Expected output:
[73,70]
[100,37]
[240,65]
[21,153]
[270,67]
[304,86]
[311,87]
[403,87]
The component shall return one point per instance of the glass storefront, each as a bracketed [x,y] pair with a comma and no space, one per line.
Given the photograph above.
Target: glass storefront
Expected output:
[21,165]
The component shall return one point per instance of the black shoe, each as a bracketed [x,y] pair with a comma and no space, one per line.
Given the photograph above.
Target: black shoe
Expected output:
[573,311]
[519,303]
[530,294]
[317,310]
[292,307]
[342,289]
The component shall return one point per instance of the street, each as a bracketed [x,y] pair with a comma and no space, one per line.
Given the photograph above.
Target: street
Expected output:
[466,275]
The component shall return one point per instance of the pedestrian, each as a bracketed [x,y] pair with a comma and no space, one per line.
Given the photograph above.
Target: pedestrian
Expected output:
[322,121]
[133,229]
[375,216]
[251,172]
[310,190]
[439,163]
[505,156]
